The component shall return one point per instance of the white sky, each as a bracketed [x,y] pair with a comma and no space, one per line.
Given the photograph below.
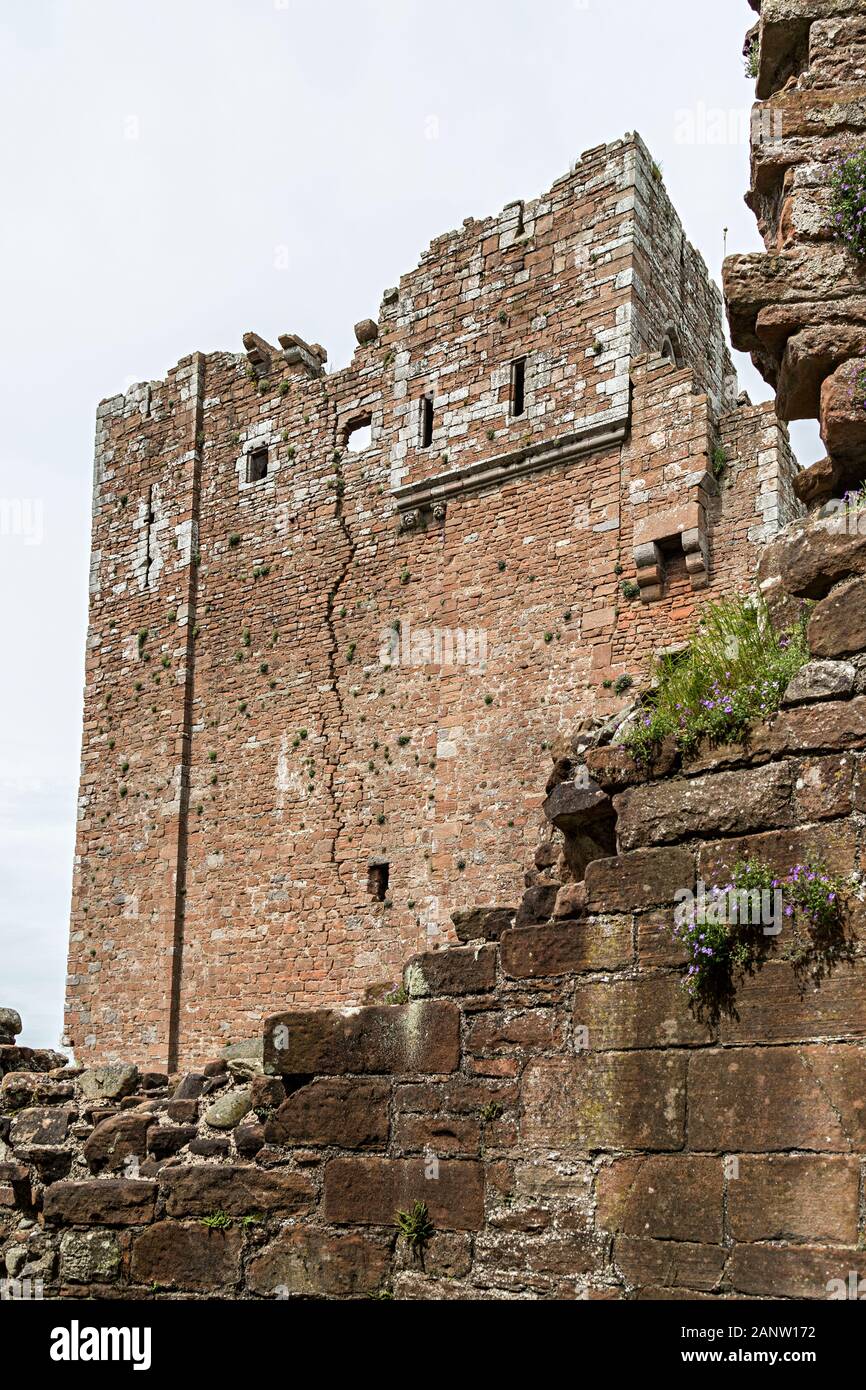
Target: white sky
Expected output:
[154,161]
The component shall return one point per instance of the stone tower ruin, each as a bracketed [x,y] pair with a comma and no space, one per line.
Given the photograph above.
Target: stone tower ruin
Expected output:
[320,676]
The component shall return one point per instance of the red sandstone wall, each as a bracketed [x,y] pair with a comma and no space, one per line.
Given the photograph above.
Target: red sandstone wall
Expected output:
[272,755]
[572,1127]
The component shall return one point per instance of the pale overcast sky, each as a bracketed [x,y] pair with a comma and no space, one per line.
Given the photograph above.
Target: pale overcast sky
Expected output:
[157,157]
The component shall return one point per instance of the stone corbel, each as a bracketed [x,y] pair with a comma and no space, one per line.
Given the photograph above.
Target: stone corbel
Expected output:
[649,563]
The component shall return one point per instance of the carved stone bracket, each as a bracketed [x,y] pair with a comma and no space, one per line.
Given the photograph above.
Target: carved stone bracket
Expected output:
[416,517]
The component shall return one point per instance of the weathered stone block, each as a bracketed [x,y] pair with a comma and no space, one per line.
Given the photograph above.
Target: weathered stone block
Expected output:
[42,1126]
[14,1185]
[835,846]
[820,680]
[651,1011]
[459,970]
[829,727]
[824,787]
[767,1271]
[537,904]
[100,1202]
[626,1100]
[668,1264]
[573,805]
[237,1189]
[777,1006]
[644,878]
[312,1262]
[163,1141]
[423,1036]
[672,1198]
[837,626]
[601,943]
[180,1255]
[506,1030]
[370,1191]
[483,923]
[437,1134]
[333,1111]
[115,1140]
[614,768]
[10,1025]
[110,1082]
[812,561]
[229,1109]
[89,1257]
[656,944]
[765,1099]
[723,803]
[795,1197]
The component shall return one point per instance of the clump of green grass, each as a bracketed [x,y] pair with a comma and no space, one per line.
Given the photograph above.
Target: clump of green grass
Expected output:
[415,1225]
[217,1221]
[732,674]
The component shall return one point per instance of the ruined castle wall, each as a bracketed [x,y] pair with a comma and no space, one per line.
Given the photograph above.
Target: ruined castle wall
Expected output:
[571,1126]
[799,308]
[281,734]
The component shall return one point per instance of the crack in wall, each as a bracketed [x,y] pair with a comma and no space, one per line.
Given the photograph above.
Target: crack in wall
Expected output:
[330,603]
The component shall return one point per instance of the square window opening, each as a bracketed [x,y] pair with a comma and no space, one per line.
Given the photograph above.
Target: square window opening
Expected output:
[359,434]
[257,465]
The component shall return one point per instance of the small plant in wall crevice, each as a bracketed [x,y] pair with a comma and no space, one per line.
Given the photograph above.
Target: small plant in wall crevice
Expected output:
[415,1226]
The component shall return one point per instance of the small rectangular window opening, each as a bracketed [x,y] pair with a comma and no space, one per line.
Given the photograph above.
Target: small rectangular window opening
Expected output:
[359,435]
[257,465]
[426,421]
[518,386]
[377,881]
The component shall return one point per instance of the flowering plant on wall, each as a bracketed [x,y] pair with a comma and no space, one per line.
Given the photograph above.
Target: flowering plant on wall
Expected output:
[733,673]
[848,202]
[729,929]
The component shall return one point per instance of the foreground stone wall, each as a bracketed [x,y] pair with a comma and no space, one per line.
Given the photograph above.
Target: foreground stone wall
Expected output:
[800,309]
[267,714]
[571,1126]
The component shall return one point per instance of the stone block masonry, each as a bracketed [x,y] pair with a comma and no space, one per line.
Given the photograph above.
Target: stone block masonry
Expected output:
[319,679]
[571,1127]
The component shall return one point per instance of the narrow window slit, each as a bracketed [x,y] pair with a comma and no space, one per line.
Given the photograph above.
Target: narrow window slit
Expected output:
[518,386]
[377,880]
[426,421]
